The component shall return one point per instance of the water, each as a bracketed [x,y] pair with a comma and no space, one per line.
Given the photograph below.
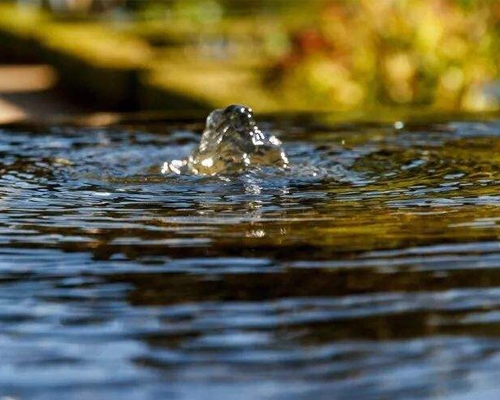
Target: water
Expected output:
[231,143]
[370,269]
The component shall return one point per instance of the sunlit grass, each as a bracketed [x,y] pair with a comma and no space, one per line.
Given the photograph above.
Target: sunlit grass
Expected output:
[319,55]
[440,53]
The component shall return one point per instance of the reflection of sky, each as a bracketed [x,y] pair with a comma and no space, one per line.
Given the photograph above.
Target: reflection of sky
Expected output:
[119,282]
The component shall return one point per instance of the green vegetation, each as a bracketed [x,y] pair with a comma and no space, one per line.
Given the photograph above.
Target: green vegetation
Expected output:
[319,55]
[439,53]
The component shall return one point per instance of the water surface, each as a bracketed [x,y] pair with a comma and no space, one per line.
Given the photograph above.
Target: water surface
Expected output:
[369,270]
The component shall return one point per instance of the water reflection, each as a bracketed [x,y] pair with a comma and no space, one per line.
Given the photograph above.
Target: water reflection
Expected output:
[368,270]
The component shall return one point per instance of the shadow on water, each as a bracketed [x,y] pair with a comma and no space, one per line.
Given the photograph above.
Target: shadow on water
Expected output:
[369,270]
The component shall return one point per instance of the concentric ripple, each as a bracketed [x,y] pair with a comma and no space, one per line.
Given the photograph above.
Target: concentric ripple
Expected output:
[370,269]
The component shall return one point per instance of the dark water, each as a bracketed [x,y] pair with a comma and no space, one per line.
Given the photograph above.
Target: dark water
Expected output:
[370,270]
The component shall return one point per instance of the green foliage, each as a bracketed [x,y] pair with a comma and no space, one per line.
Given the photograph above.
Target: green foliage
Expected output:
[439,53]
[319,55]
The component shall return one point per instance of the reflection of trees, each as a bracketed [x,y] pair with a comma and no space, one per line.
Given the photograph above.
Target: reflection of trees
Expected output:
[303,286]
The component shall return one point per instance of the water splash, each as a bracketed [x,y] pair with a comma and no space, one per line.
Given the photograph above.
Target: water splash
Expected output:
[367,269]
[231,142]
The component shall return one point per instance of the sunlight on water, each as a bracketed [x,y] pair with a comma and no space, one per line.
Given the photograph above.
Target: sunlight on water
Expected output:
[231,143]
[367,269]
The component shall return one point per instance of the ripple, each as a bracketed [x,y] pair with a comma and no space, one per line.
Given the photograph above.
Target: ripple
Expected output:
[369,269]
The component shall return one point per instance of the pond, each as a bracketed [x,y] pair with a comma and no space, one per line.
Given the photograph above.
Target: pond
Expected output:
[370,269]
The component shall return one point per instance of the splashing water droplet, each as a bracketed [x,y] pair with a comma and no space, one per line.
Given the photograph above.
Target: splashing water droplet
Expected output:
[231,142]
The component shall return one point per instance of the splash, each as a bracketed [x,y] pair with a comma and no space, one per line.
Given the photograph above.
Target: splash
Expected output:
[231,142]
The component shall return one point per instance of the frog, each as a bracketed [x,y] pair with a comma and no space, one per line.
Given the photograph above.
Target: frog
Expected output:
[231,142]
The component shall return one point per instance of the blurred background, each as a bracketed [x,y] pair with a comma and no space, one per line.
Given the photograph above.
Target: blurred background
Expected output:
[274,55]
